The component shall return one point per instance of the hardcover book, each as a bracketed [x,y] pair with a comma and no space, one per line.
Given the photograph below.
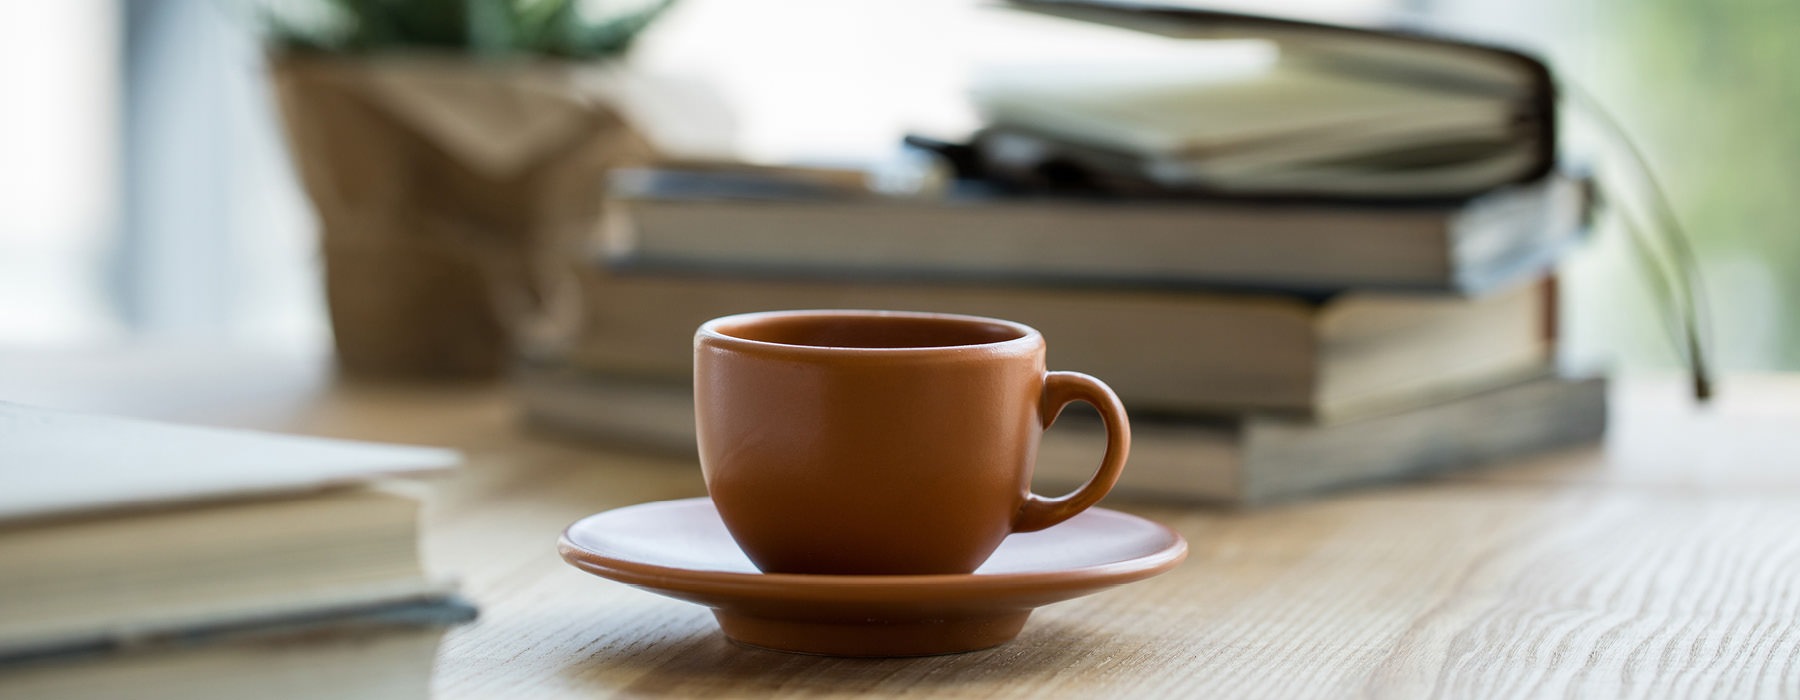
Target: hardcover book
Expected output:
[114,530]
[1160,350]
[671,220]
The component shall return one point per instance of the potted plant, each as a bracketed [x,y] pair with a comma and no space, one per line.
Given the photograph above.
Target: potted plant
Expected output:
[454,151]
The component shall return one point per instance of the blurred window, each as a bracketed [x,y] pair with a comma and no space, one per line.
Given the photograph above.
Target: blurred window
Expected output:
[145,191]
[59,82]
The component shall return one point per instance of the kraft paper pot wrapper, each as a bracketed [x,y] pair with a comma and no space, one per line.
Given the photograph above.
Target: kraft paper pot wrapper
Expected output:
[454,198]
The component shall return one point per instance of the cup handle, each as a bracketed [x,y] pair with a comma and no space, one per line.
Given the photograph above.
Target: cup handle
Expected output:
[1061,389]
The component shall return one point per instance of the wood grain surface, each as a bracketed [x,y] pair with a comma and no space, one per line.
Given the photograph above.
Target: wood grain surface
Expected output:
[1663,564]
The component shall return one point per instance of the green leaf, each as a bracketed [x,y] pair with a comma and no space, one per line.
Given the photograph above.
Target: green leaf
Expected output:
[561,28]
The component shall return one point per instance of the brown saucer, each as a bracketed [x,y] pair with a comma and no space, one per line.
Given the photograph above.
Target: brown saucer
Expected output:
[680,549]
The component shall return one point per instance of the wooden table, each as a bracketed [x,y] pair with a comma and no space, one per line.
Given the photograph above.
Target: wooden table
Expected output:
[1665,564]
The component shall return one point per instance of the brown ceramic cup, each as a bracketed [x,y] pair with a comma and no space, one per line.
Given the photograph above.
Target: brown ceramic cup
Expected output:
[875,442]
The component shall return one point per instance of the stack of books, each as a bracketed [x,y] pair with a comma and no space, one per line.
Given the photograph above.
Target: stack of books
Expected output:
[146,560]
[1315,324]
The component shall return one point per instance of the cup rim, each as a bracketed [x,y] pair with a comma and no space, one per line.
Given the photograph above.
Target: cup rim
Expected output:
[1028,337]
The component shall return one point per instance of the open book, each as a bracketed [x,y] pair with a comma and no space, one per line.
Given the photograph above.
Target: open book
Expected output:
[1336,111]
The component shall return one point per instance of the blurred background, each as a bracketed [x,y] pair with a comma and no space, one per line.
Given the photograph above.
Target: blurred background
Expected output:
[146,192]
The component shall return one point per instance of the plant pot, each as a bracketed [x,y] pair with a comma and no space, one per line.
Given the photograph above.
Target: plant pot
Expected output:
[453,196]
